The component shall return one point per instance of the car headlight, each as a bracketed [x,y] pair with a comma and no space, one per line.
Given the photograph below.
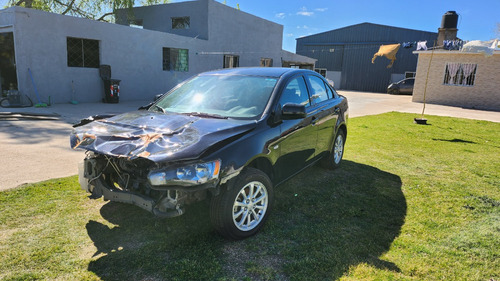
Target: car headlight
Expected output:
[189,175]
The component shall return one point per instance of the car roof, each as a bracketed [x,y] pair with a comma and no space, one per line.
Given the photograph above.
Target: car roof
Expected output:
[258,71]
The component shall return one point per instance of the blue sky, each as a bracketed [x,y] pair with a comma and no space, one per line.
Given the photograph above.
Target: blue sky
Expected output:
[478,18]
[477,21]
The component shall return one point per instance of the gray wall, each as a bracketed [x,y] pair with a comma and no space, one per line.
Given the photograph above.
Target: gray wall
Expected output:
[159,17]
[350,51]
[228,31]
[250,37]
[135,55]
[335,76]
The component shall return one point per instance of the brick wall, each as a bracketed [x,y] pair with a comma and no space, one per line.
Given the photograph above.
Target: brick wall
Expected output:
[484,94]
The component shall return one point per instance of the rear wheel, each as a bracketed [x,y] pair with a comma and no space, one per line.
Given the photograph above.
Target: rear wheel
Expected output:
[332,161]
[241,209]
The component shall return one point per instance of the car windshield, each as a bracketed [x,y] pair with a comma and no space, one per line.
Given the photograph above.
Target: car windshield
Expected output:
[226,96]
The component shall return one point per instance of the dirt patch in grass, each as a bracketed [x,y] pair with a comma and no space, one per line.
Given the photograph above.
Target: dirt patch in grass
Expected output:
[243,262]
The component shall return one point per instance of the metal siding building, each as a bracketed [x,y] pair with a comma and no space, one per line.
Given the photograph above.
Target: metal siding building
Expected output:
[346,53]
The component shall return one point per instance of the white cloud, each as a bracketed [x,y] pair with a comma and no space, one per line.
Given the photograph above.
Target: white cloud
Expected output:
[280,15]
[321,9]
[289,35]
[303,27]
[303,12]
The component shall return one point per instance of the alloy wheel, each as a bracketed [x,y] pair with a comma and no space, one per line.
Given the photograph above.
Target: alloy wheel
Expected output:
[338,149]
[250,206]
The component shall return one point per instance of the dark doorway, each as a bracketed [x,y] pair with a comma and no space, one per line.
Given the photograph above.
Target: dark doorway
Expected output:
[8,77]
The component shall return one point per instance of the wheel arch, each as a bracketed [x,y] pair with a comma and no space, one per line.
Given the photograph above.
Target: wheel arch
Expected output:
[343,127]
[263,164]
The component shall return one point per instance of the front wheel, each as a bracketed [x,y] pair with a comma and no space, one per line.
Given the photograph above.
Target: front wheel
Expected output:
[241,208]
[332,161]
[393,92]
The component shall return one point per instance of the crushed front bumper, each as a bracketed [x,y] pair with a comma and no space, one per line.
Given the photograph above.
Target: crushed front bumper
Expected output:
[99,189]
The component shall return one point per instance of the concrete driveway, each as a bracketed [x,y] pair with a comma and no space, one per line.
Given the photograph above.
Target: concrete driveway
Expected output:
[35,144]
[36,148]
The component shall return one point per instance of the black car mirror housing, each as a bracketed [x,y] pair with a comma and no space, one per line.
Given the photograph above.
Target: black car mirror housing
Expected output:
[293,111]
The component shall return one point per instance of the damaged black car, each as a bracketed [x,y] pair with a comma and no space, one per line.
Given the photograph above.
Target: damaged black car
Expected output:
[229,136]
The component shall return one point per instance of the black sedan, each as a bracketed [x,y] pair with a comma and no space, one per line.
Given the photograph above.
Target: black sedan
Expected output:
[230,136]
[404,86]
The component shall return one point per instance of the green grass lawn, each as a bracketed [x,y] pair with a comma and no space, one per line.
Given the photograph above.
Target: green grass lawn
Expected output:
[410,202]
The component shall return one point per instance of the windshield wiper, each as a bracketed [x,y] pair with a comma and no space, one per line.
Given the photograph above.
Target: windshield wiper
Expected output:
[206,115]
[159,107]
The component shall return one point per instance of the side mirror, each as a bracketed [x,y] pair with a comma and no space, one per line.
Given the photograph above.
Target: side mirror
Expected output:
[293,111]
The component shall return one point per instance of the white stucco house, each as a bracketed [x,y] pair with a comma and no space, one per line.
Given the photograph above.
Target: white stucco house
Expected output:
[150,49]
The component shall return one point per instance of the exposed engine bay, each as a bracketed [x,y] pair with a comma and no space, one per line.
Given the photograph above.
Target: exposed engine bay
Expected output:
[124,180]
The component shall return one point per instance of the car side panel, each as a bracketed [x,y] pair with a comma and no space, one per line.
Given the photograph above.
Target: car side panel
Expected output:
[327,117]
[297,143]
[259,143]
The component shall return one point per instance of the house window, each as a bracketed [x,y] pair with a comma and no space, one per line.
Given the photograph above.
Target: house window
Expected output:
[180,23]
[83,52]
[409,74]
[231,61]
[266,62]
[460,74]
[321,71]
[176,59]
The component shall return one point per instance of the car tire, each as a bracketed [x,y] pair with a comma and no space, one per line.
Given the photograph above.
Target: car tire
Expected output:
[334,158]
[243,205]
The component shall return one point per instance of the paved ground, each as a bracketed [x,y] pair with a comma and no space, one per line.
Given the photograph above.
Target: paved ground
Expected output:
[361,104]
[36,148]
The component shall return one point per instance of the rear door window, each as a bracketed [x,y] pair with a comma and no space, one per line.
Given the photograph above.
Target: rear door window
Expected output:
[318,89]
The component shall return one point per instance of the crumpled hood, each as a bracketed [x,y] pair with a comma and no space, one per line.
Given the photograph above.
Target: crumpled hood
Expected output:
[156,136]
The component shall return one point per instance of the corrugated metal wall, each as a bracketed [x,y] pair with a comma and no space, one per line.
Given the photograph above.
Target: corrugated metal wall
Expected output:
[350,50]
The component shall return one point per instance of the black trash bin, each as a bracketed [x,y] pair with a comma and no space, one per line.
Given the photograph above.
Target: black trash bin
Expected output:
[111,90]
[111,86]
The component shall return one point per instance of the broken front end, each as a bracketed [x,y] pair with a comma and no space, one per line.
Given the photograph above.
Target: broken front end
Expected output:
[158,162]
[163,190]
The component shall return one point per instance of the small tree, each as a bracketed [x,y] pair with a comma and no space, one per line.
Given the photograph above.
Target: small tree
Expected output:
[101,10]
